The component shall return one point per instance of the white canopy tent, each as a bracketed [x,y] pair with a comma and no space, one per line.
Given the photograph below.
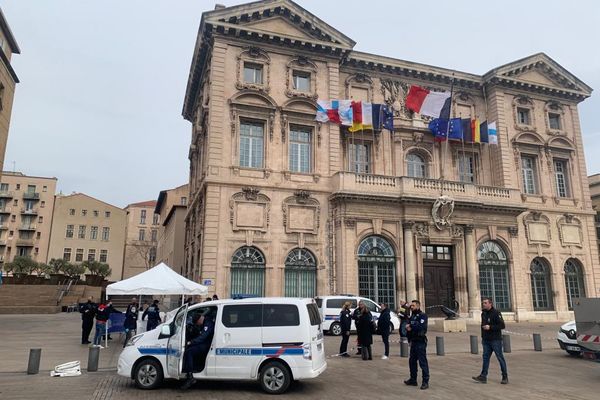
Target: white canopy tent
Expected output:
[160,280]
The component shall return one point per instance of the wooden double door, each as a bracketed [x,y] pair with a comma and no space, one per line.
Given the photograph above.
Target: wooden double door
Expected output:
[438,279]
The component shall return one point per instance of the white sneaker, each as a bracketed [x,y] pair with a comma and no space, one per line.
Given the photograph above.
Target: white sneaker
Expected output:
[384,357]
[100,346]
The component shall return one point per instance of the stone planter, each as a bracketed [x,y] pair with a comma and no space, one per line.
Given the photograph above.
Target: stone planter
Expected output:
[19,278]
[93,280]
[55,279]
[30,280]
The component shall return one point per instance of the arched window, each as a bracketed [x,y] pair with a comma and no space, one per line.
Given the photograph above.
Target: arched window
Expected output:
[247,272]
[541,289]
[300,274]
[573,281]
[377,270]
[493,274]
[416,167]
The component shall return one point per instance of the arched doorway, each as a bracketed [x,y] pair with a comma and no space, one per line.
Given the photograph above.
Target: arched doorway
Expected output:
[247,272]
[493,274]
[377,270]
[573,281]
[541,289]
[300,274]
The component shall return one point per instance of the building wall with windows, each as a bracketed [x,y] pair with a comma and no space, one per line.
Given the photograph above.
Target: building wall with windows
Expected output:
[8,81]
[281,204]
[141,238]
[594,181]
[85,228]
[171,208]
[26,207]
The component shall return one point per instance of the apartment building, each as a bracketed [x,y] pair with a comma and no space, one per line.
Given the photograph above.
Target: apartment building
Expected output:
[8,81]
[26,206]
[171,208]
[85,228]
[141,238]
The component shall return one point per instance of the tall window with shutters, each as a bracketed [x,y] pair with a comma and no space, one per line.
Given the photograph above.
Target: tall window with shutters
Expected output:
[359,157]
[528,174]
[561,178]
[251,144]
[300,157]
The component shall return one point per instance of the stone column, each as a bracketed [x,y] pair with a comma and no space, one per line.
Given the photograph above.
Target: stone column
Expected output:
[472,283]
[410,265]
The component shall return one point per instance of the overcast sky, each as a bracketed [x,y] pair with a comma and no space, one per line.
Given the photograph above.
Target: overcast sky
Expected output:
[102,82]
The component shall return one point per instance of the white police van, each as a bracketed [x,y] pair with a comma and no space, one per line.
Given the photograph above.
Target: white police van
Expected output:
[331,306]
[272,340]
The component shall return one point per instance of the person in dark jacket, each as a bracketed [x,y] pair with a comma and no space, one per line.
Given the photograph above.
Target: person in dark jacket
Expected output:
[364,330]
[346,324]
[491,339]
[197,346]
[383,326]
[355,317]
[102,315]
[131,316]
[417,337]
[111,309]
[88,311]
[153,314]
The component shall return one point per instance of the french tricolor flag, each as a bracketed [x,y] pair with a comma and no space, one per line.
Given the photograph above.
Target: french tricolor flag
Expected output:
[426,102]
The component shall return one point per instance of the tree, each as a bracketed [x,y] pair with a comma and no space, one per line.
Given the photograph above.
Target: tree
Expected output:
[22,265]
[58,265]
[146,251]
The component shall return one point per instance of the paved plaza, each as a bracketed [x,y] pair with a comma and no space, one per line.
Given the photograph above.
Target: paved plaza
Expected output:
[533,375]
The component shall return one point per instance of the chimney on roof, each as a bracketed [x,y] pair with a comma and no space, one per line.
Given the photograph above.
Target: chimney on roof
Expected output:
[219,6]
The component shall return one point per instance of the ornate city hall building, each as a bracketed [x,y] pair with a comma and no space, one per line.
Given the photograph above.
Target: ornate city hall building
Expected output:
[283,205]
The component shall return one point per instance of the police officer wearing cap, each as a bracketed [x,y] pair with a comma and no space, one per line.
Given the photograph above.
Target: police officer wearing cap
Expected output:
[153,313]
[416,330]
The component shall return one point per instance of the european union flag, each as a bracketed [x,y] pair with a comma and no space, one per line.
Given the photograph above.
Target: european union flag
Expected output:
[439,128]
[455,131]
[388,117]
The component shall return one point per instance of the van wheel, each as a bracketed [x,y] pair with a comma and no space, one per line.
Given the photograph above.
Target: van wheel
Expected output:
[274,378]
[335,329]
[148,374]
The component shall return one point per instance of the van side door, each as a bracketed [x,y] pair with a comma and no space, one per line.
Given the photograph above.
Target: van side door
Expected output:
[239,343]
[175,343]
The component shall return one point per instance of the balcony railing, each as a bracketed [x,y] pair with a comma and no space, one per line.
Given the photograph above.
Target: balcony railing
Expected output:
[31,196]
[29,211]
[391,186]
[25,242]
[2,242]
[5,194]
[27,228]
[5,210]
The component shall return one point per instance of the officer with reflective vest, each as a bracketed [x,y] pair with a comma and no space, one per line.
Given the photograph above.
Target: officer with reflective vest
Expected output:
[417,338]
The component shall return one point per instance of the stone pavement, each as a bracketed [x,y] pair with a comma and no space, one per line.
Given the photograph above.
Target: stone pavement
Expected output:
[533,375]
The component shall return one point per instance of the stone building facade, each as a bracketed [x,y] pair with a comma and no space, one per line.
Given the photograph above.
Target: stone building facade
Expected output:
[141,238]
[85,228]
[8,81]
[283,205]
[171,207]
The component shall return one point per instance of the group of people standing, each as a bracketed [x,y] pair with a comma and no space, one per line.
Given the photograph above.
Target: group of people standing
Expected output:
[414,329]
[91,311]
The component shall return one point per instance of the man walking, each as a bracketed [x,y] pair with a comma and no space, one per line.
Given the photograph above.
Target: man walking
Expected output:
[87,310]
[416,330]
[491,339]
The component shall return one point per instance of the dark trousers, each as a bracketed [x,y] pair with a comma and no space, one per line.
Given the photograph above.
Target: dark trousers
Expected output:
[194,358]
[86,329]
[418,352]
[152,323]
[489,347]
[344,344]
[385,337]
[366,352]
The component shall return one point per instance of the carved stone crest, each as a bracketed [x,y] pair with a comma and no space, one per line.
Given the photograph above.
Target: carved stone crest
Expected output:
[250,193]
[442,211]
[394,92]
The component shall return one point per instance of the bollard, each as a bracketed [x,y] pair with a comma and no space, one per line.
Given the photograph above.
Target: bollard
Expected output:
[404,349]
[439,345]
[506,343]
[93,359]
[537,342]
[33,367]
[474,344]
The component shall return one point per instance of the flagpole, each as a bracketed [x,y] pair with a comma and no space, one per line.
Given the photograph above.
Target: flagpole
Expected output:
[442,177]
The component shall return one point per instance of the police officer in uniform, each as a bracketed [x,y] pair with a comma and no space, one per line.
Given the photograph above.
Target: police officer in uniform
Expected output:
[197,346]
[417,337]
[88,311]
[346,324]
[131,316]
[153,313]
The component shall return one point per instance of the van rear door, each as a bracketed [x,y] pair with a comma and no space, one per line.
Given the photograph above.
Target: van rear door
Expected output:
[317,347]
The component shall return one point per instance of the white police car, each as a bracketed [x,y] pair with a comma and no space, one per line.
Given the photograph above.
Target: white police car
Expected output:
[272,340]
[567,338]
[331,306]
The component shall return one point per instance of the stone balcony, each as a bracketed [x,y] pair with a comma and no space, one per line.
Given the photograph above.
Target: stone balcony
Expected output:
[29,211]
[394,187]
